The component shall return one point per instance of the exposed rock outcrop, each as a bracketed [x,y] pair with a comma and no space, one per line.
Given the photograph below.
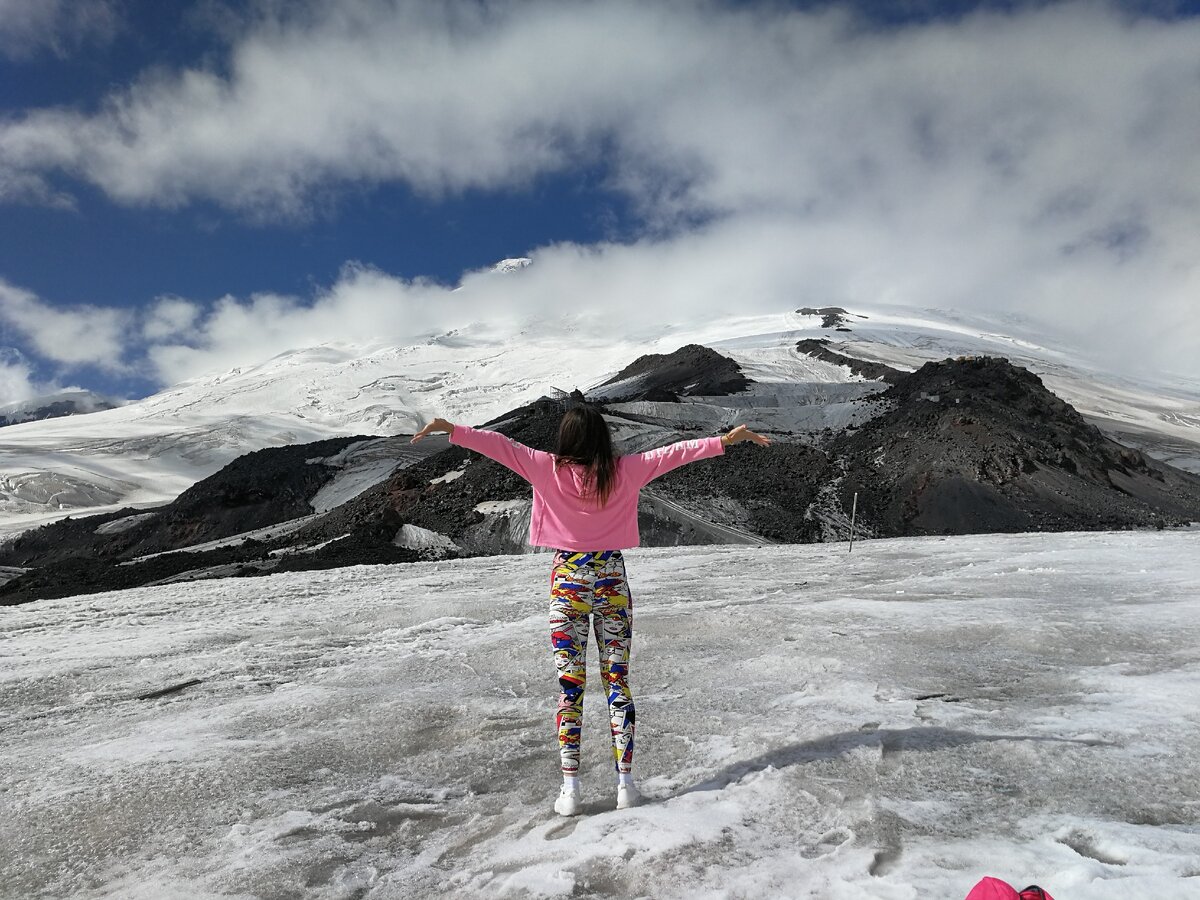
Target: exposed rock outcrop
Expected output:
[692,370]
[819,348]
[978,444]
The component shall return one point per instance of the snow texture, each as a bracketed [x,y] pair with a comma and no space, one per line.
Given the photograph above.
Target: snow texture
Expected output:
[893,723]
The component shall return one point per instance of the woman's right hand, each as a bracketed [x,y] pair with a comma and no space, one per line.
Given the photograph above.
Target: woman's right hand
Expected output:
[742,433]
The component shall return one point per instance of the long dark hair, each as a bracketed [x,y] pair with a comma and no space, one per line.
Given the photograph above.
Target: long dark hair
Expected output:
[583,439]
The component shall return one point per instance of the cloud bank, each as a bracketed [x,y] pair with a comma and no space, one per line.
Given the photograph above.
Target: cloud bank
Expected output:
[31,27]
[73,336]
[1041,161]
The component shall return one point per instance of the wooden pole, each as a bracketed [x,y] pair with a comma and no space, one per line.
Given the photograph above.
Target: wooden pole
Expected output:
[853,514]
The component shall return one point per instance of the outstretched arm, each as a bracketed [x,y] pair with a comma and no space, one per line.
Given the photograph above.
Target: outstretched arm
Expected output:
[525,461]
[645,467]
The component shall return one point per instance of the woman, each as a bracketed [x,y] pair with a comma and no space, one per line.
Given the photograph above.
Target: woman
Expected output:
[585,507]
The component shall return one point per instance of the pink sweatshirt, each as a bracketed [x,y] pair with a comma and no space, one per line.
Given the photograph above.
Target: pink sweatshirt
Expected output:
[562,518]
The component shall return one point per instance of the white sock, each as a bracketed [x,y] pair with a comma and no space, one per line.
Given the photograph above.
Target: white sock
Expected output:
[624,778]
[571,782]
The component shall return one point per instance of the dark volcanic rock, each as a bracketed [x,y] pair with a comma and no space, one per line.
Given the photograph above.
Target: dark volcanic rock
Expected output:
[692,370]
[81,575]
[818,348]
[256,490]
[831,316]
[361,552]
[447,507]
[775,485]
[977,445]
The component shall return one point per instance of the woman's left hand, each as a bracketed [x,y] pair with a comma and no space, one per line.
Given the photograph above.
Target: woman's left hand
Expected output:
[742,433]
[434,426]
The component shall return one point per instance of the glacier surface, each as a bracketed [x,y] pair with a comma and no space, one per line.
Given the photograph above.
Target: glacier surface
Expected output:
[891,723]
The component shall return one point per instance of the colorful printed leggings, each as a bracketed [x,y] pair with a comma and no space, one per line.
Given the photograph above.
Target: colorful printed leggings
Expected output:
[584,585]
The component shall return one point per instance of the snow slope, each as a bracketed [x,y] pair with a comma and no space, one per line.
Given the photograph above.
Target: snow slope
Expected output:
[149,451]
[893,723]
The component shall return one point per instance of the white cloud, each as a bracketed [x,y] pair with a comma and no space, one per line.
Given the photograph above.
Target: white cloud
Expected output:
[1042,161]
[29,27]
[33,189]
[741,264]
[18,381]
[75,336]
[16,377]
[744,264]
[777,109]
[169,317]
[363,305]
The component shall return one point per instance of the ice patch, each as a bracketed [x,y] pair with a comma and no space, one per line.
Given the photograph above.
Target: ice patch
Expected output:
[501,507]
[431,543]
[124,524]
[311,548]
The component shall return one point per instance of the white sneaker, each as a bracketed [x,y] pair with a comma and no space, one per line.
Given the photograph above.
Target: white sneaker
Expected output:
[567,803]
[627,796]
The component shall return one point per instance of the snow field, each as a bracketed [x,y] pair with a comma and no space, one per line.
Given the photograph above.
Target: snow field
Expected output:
[892,723]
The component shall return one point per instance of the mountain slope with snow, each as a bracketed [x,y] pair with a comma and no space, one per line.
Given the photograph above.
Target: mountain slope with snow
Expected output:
[962,446]
[147,452]
[1154,412]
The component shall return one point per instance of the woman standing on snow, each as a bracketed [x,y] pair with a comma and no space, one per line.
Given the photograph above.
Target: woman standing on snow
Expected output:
[585,507]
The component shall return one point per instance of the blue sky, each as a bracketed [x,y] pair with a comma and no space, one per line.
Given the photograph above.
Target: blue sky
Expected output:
[169,170]
[118,253]
[113,254]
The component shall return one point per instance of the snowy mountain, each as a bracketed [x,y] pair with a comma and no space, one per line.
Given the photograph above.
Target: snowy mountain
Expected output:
[146,453]
[515,264]
[51,406]
[963,446]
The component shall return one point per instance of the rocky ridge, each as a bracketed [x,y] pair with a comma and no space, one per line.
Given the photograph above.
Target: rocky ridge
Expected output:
[692,370]
[819,348]
[977,444]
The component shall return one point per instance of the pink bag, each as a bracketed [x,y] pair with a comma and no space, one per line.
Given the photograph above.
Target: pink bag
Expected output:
[995,889]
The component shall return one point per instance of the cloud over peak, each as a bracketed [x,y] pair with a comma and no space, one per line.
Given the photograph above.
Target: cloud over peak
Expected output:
[1041,159]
